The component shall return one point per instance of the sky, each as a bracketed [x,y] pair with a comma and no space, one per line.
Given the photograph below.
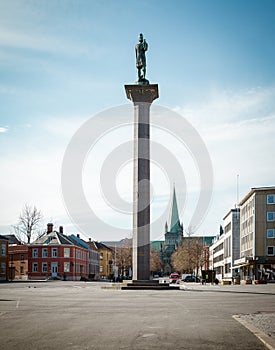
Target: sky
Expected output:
[63,67]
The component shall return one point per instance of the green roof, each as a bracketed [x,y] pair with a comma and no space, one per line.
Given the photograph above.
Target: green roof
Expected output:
[174,217]
[156,245]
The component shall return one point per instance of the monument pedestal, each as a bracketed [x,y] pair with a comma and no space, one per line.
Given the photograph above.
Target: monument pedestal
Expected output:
[142,97]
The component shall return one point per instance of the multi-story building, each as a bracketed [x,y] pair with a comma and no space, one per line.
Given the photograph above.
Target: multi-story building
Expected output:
[56,255]
[106,259]
[231,223]
[216,256]
[4,260]
[18,262]
[94,258]
[257,234]
[18,258]
[226,247]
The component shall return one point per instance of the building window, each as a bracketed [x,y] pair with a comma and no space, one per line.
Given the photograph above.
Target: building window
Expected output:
[54,252]
[66,267]
[44,267]
[270,216]
[35,253]
[34,267]
[270,199]
[44,252]
[21,269]
[3,268]
[270,250]
[22,257]
[66,252]
[3,250]
[101,256]
[101,268]
[270,233]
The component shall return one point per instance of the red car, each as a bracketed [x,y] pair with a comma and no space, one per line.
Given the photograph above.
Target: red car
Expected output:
[174,277]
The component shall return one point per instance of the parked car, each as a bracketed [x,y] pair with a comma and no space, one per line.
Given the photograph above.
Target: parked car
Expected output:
[174,277]
[191,278]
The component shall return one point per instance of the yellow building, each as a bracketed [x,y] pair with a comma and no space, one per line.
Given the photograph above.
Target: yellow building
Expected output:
[257,235]
[106,258]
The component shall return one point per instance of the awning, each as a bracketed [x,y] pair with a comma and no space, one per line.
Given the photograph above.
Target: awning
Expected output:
[241,265]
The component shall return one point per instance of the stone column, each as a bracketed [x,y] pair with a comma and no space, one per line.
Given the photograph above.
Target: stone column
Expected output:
[142,96]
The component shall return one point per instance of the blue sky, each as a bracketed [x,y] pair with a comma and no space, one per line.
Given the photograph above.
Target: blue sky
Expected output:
[61,62]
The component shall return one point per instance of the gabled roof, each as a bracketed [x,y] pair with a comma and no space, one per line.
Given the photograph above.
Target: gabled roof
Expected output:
[3,238]
[12,239]
[52,238]
[78,241]
[101,245]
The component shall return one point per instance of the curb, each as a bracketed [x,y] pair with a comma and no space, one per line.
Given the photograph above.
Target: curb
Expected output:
[264,338]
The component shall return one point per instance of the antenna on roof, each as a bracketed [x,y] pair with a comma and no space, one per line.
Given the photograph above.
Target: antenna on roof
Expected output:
[237,185]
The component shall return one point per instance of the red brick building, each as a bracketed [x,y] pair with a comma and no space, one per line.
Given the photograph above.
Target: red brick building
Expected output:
[55,255]
[4,260]
[18,262]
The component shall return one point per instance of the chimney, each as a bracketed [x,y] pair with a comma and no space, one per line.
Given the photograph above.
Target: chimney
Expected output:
[90,239]
[78,235]
[60,229]
[49,227]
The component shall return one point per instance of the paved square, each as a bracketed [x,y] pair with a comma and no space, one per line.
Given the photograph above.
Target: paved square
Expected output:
[80,315]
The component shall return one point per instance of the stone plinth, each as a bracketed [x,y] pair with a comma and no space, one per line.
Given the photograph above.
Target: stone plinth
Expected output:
[142,96]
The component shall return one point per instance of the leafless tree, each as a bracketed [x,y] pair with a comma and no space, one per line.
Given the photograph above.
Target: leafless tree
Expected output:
[189,256]
[155,261]
[123,257]
[28,225]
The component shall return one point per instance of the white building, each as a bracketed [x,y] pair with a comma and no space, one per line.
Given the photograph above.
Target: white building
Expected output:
[226,247]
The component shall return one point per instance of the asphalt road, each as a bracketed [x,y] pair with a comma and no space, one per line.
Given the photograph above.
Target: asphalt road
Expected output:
[79,315]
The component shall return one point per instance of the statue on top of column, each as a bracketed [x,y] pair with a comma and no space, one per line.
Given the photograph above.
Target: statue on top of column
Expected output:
[141,47]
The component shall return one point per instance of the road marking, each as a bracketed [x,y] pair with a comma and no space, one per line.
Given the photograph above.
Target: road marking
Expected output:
[148,335]
[18,302]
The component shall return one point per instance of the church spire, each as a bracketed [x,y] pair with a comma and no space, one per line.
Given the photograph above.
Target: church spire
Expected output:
[174,216]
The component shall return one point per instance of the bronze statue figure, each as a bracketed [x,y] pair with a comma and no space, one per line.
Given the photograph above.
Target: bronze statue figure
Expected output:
[141,47]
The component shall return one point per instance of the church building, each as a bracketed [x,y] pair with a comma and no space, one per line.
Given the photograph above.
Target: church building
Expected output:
[173,236]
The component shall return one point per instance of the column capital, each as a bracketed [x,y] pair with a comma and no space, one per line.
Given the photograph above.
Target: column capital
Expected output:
[142,93]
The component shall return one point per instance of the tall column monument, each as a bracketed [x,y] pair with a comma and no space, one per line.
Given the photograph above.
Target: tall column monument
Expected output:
[142,94]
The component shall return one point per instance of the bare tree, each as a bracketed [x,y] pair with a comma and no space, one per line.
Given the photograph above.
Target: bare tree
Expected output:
[155,261]
[29,223]
[189,256]
[123,257]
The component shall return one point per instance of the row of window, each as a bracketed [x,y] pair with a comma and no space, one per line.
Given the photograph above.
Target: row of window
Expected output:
[54,253]
[22,257]
[45,253]
[53,268]
[270,216]
[270,233]
[218,248]
[45,267]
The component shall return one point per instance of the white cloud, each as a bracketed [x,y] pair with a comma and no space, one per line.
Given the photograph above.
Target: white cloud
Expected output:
[226,107]
[3,129]
[47,44]
[238,142]
[238,129]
